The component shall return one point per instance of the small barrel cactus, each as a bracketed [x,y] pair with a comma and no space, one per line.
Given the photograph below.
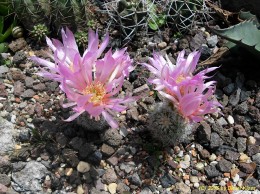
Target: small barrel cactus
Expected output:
[39,32]
[81,39]
[128,15]
[183,13]
[167,125]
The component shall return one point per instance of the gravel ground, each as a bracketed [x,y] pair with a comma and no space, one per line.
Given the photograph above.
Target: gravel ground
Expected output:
[39,153]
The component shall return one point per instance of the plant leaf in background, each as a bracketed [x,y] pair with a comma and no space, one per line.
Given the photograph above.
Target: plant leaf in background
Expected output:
[3,47]
[245,34]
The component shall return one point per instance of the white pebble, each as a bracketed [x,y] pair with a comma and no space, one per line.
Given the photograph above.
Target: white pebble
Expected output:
[196,185]
[187,158]
[236,178]
[199,166]
[251,140]
[230,120]
[212,157]
[222,183]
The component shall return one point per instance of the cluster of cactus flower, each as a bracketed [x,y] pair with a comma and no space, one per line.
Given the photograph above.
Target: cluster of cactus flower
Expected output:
[92,83]
[89,82]
[188,97]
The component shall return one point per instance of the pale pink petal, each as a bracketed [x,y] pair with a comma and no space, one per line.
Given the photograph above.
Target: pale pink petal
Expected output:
[110,120]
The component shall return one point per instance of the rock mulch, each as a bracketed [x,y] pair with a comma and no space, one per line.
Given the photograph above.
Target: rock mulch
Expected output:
[51,156]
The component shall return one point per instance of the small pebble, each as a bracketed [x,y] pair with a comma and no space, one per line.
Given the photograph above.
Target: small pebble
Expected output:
[212,157]
[236,178]
[196,185]
[187,158]
[112,188]
[251,140]
[222,183]
[243,157]
[80,190]
[199,166]
[230,120]
[194,179]
[68,171]
[83,167]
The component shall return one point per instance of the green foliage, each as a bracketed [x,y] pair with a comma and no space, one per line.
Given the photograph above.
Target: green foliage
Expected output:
[245,34]
[39,32]
[155,20]
[81,38]
[3,47]
[5,32]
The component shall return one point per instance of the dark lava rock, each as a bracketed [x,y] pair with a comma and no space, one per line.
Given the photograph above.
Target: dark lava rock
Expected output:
[29,93]
[52,86]
[205,51]
[5,165]
[231,155]
[224,165]
[241,108]
[211,171]
[223,148]
[254,114]
[86,149]
[256,158]
[112,137]
[241,144]
[247,167]
[39,87]
[107,150]
[96,157]
[19,57]
[204,153]
[183,44]
[18,88]
[240,131]
[198,40]
[244,95]
[204,132]
[5,180]
[135,179]
[234,98]
[215,141]
[251,182]
[252,150]
[77,142]
[229,89]
[17,44]
[109,176]
[3,92]
[29,82]
[167,180]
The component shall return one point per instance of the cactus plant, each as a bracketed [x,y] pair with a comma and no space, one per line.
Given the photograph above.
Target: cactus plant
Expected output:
[245,34]
[52,13]
[81,38]
[183,13]
[39,32]
[129,15]
[167,125]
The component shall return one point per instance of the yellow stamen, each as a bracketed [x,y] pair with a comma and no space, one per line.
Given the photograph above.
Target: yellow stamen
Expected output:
[98,92]
[180,78]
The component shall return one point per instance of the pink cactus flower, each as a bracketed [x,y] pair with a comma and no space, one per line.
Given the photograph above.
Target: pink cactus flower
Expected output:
[188,92]
[89,82]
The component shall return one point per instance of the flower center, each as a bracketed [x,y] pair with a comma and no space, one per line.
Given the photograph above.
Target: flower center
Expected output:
[180,78]
[97,91]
